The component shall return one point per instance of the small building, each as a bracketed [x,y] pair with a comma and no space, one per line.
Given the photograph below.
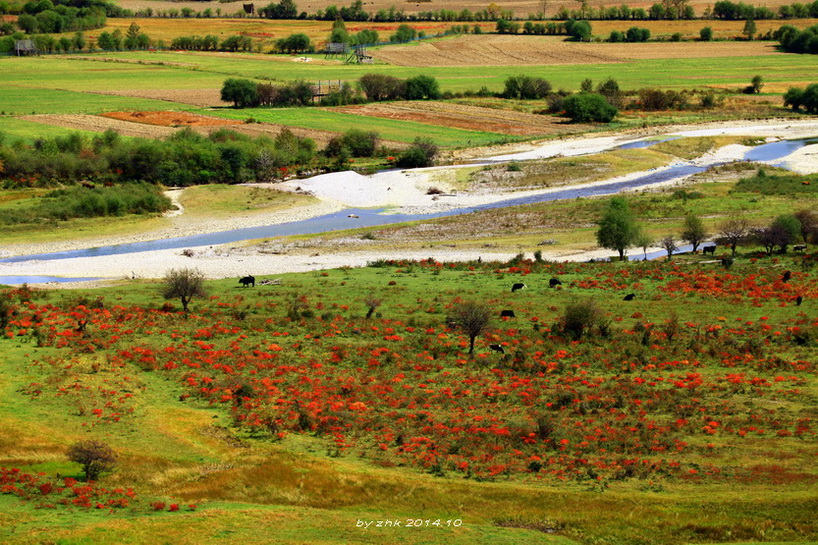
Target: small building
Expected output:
[25,47]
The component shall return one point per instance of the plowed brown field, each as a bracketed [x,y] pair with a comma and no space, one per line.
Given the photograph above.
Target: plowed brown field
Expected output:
[171,119]
[500,50]
[464,117]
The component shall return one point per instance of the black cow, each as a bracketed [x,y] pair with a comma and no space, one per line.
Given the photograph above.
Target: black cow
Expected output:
[629,297]
[517,286]
[786,276]
[248,281]
[709,250]
[798,301]
[554,282]
[497,348]
[507,314]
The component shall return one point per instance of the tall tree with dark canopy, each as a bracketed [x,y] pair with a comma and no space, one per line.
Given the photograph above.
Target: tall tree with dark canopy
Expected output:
[617,228]
[693,231]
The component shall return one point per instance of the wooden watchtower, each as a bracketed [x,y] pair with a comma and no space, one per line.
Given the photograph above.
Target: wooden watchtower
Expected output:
[360,56]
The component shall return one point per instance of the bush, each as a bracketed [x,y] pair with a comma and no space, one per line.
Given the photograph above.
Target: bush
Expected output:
[579,31]
[803,98]
[635,34]
[588,108]
[616,37]
[526,87]
[421,88]
[295,43]
[656,99]
[420,154]
[357,143]
[379,87]
[706,34]
[95,457]
[403,34]
[579,318]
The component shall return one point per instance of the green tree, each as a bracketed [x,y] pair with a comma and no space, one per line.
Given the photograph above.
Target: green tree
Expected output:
[183,284]
[749,29]
[79,41]
[339,32]
[757,83]
[243,93]
[295,43]
[693,231]
[706,34]
[644,241]
[617,228]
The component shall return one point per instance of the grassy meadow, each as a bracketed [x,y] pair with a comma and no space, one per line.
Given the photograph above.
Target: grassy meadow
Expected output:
[716,407]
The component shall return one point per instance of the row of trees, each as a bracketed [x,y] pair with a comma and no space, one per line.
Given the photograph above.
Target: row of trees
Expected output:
[371,87]
[287,9]
[47,16]
[185,158]
[619,231]
[793,40]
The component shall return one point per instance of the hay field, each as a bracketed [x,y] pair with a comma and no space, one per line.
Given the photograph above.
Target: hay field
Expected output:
[504,50]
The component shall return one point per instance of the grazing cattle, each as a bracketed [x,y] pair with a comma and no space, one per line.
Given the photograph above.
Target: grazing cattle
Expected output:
[798,301]
[517,286]
[800,247]
[629,297]
[709,250]
[786,276]
[497,348]
[507,314]
[248,281]
[554,282]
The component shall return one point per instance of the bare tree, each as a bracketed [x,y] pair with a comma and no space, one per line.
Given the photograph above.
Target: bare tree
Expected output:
[669,244]
[809,224]
[733,232]
[95,457]
[473,318]
[644,241]
[184,284]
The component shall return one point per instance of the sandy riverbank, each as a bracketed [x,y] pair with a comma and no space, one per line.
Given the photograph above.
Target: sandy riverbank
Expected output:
[397,191]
